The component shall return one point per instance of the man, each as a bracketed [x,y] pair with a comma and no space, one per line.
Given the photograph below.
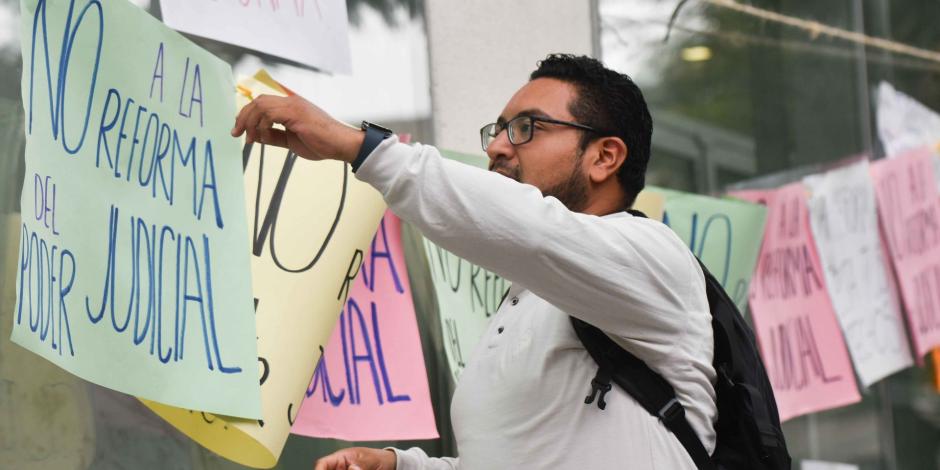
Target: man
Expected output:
[567,155]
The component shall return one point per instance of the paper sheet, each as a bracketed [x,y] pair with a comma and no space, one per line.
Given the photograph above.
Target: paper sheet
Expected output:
[909,211]
[371,384]
[903,123]
[799,337]
[844,221]
[724,233]
[134,263]
[312,224]
[311,32]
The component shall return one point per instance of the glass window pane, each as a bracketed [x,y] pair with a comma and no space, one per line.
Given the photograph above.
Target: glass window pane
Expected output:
[743,100]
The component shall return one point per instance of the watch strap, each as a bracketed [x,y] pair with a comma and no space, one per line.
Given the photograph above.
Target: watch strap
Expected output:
[374,136]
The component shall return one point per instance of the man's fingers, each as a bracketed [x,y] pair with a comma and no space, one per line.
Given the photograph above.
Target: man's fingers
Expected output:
[265,121]
[249,118]
[240,119]
[251,123]
[242,122]
[338,460]
[275,137]
[287,140]
[264,125]
[327,463]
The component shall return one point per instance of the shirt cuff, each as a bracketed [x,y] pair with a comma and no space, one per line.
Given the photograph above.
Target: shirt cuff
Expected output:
[381,167]
[404,460]
[373,139]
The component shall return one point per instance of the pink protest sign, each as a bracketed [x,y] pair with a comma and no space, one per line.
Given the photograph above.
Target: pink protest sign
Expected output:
[800,340]
[909,210]
[370,383]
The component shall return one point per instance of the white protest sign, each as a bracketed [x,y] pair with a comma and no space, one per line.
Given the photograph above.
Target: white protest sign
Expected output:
[903,123]
[844,222]
[311,32]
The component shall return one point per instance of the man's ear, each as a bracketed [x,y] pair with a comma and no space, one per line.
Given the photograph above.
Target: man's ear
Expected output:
[609,155]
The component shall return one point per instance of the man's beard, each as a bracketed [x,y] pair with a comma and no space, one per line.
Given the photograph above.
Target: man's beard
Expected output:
[572,192]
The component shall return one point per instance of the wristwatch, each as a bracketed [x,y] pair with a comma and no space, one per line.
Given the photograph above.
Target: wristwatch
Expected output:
[375,134]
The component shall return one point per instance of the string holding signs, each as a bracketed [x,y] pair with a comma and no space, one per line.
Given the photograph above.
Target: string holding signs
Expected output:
[724,233]
[370,382]
[800,340]
[310,32]
[909,210]
[312,224]
[133,270]
[844,222]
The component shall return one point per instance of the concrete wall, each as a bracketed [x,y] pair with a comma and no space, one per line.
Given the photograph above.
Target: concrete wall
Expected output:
[482,51]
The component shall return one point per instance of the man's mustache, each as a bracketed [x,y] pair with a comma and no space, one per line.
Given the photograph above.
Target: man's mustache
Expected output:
[505,170]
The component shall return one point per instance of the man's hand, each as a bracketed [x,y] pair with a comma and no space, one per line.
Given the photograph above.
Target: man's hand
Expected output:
[308,130]
[358,458]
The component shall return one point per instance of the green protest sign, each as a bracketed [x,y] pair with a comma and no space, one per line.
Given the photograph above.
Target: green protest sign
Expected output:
[724,233]
[133,265]
[467,296]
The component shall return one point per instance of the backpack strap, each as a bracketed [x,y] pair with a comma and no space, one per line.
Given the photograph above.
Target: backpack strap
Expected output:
[647,387]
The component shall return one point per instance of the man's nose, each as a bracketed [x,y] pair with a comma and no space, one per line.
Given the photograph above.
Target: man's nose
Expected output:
[500,147]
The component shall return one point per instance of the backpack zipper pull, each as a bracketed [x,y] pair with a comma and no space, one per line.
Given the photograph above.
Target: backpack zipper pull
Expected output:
[600,384]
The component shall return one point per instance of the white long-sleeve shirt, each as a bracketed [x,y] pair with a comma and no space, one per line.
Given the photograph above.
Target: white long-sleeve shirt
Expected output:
[520,401]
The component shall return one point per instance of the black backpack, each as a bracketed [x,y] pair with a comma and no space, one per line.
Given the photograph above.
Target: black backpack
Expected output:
[748,430]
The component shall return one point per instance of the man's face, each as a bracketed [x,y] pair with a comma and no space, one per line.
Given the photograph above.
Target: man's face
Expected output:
[551,161]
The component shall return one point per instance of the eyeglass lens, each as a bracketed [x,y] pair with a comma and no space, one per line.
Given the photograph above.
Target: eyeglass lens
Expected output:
[519,129]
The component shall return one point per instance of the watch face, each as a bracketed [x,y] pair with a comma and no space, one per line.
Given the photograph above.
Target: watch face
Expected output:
[384,130]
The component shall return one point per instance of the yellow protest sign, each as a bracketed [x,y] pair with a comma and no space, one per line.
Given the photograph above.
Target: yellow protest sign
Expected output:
[651,203]
[312,222]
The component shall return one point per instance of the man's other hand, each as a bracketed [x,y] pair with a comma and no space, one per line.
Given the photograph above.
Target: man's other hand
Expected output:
[358,458]
[308,130]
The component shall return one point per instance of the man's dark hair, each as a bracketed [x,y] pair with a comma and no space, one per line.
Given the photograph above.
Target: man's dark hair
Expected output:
[610,102]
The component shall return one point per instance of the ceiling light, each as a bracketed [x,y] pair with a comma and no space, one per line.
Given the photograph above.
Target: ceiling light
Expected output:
[696,54]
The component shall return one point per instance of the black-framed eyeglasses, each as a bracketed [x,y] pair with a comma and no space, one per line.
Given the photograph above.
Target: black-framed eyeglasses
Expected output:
[521,129]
